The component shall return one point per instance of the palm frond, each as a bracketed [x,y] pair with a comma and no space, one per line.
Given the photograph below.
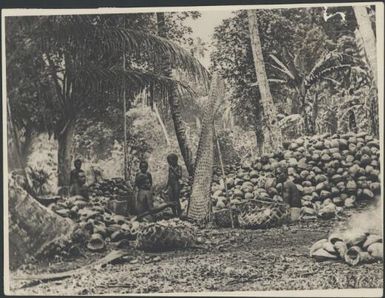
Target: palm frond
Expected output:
[327,64]
[95,79]
[278,81]
[83,36]
[282,67]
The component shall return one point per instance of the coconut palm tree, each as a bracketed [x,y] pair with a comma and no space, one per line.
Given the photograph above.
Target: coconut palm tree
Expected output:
[82,57]
[270,112]
[367,39]
[174,101]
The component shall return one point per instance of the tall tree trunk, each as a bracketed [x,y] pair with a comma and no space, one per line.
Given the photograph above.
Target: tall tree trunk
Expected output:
[65,140]
[174,103]
[307,112]
[368,37]
[258,126]
[270,112]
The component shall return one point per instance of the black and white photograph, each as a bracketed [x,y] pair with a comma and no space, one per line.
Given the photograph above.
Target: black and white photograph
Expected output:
[202,150]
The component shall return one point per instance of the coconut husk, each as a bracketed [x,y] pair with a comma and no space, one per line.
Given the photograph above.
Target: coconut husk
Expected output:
[376,250]
[335,237]
[353,255]
[366,257]
[373,238]
[101,229]
[317,246]
[96,243]
[63,212]
[355,239]
[329,248]
[118,235]
[341,248]
[322,255]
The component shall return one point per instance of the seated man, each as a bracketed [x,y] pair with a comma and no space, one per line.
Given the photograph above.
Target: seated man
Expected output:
[290,193]
[79,187]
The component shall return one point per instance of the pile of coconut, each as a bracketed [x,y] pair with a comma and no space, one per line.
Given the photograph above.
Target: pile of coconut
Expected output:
[331,172]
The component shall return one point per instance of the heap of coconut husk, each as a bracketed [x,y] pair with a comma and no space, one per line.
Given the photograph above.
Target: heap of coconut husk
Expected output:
[96,225]
[331,173]
[353,248]
[100,222]
[110,188]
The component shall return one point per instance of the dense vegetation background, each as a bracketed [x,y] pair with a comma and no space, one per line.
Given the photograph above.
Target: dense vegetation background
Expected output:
[65,88]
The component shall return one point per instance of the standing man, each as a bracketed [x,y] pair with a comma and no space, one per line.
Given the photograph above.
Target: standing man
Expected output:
[290,193]
[173,184]
[143,183]
[75,172]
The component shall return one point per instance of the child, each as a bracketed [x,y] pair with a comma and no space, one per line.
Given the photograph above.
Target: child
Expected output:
[173,184]
[290,193]
[143,183]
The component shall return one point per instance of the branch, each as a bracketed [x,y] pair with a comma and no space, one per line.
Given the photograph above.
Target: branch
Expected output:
[283,66]
[55,80]
[65,127]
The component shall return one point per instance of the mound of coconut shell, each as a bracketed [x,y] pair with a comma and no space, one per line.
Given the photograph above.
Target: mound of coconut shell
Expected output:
[352,248]
[110,188]
[97,225]
[331,172]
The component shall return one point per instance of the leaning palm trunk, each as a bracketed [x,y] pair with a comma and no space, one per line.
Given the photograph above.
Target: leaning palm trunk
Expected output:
[174,101]
[32,227]
[269,109]
[199,205]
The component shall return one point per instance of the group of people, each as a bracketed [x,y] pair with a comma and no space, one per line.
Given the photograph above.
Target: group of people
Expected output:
[144,183]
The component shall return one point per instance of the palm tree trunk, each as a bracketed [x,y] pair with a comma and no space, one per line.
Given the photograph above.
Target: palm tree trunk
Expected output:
[270,113]
[367,34]
[368,37]
[199,203]
[31,225]
[65,140]
[258,127]
[174,103]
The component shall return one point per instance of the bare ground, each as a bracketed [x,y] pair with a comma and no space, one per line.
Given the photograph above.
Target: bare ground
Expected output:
[227,260]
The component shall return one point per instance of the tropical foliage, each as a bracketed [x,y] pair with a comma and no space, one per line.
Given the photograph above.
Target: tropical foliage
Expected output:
[79,57]
[65,77]
[306,60]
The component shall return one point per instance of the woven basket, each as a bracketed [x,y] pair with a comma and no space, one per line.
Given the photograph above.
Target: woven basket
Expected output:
[222,218]
[262,218]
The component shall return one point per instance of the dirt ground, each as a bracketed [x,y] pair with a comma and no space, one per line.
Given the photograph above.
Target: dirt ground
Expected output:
[226,260]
